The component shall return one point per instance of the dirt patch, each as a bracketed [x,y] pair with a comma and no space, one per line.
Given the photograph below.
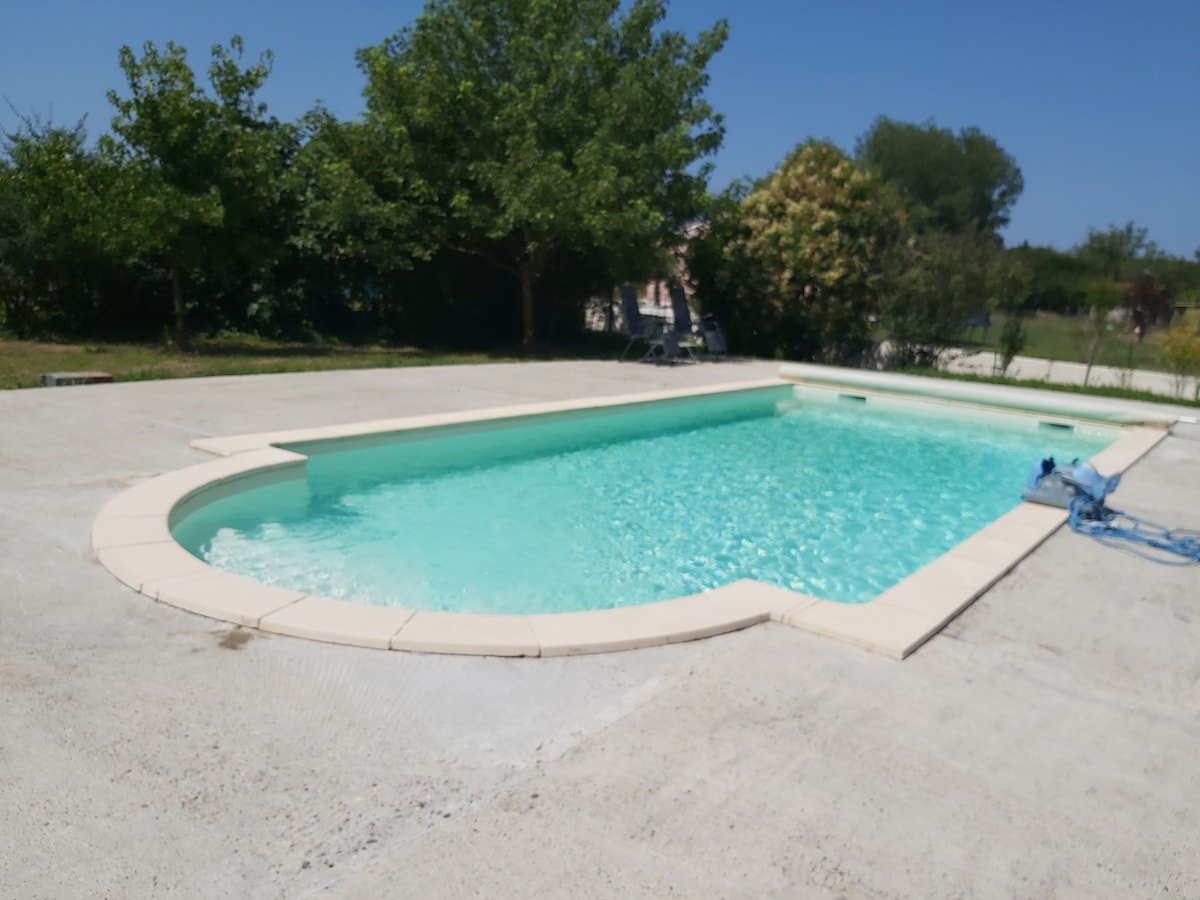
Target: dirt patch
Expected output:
[235,638]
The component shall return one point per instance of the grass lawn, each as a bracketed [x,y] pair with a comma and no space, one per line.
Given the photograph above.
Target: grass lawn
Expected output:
[1093,390]
[23,362]
[1064,339]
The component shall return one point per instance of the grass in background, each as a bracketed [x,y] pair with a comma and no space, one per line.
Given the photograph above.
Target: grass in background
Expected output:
[1093,390]
[23,362]
[1063,339]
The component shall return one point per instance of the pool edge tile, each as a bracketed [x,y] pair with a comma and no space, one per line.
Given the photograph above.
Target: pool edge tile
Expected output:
[707,614]
[125,531]
[138,564]
[429,631]
[223,596]
[597,631]
[237,445]
[732,607]
[158,494]
[938,601]
[874,626]
[338,622]
[1123,453]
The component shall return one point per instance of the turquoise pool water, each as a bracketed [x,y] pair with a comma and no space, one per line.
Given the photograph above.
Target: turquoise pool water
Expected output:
[830,496]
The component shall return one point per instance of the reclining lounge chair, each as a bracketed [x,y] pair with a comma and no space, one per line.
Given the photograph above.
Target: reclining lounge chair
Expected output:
[645,330]
[709,334]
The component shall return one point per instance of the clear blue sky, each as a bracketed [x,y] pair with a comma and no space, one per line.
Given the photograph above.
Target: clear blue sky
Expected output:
[1099,101]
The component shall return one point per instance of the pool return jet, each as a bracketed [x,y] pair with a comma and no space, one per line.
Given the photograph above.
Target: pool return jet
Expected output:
[1081,490]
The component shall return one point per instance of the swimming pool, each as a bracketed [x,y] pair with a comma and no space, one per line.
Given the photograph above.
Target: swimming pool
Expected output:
[131,539]
[828,495]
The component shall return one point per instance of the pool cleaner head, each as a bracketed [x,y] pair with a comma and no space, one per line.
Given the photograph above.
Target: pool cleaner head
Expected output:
[1059,486]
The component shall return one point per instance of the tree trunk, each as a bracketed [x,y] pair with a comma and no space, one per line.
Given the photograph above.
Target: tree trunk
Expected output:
[181,330]
[1093,349]
[527,305]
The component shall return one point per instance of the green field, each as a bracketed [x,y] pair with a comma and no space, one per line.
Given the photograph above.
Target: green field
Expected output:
[1066,340]
[23,362]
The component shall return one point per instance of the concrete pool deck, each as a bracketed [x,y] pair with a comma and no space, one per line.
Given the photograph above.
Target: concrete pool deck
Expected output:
[1044,745]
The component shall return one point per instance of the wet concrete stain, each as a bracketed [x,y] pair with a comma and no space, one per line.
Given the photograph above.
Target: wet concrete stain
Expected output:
[234,639]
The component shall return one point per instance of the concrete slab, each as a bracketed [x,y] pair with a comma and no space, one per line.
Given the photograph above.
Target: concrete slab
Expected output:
[1042,746]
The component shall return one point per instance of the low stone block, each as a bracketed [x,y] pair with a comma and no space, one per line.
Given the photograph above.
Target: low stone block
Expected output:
[56,379]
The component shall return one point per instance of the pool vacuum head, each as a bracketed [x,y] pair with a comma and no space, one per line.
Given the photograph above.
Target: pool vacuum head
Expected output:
[1059,485]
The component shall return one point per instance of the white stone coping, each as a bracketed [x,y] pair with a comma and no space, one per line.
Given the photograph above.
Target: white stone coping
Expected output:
[243,443]
[131,538]
[1006,398]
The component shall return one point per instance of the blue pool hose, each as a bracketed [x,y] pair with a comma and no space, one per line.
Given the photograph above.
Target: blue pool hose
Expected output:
[1115,528]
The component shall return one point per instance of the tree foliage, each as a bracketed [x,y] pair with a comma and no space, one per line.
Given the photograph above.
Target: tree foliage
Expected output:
[948,280]
[516,159]
[201,176]
[726,282]
[1149,278]
[530,129]
[1115,266]
[953,182]
[52,272]
[1116,253]
[1059,280]
[1181,348]
[812,242]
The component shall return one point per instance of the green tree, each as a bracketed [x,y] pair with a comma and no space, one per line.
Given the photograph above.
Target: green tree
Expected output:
[1012,338]
[946,280]
[1116,253]
[1180,277]
[355,203]
[1149,278]
[526,128]
[51,268]
[355,226]
[819,234]
[1060,280]
[1089,330]
[1181,348]
[726,282]
[954,182]
[201,184]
